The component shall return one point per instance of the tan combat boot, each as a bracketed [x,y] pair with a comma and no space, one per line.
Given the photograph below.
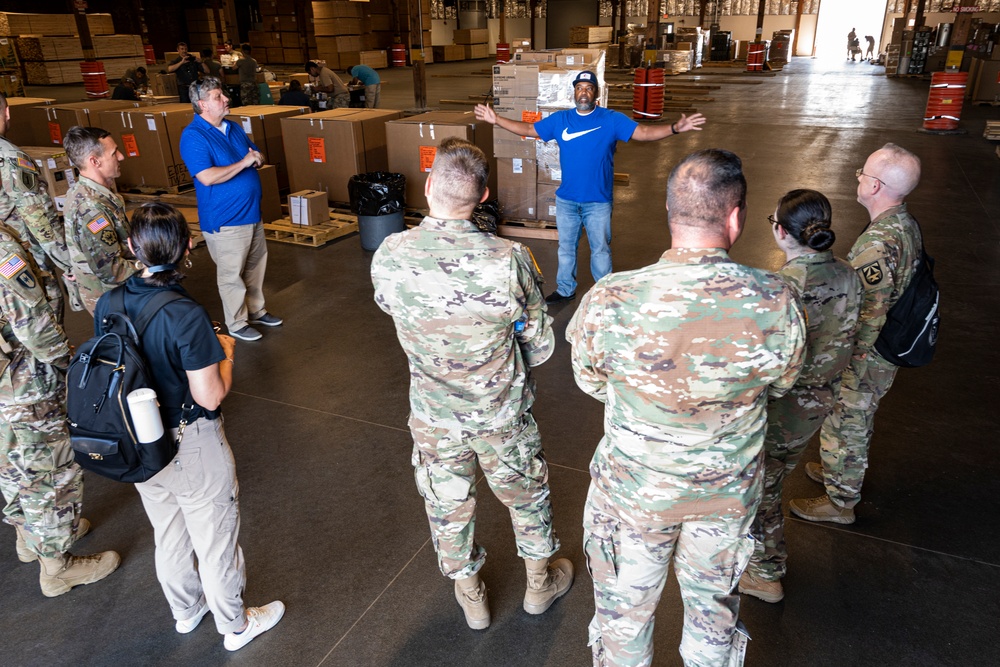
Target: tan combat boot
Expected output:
[63,572]
[546,583]
[471,595]
[762,589]
[26,555]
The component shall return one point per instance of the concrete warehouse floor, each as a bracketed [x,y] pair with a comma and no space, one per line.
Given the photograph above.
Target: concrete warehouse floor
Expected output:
[331,520]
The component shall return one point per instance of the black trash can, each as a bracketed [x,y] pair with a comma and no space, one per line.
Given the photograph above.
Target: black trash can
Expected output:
[377,200]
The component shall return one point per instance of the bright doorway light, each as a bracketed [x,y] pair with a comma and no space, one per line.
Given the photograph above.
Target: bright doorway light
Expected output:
[837,17]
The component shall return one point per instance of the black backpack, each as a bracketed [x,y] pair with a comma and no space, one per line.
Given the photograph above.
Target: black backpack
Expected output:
[910,333]
[103,372]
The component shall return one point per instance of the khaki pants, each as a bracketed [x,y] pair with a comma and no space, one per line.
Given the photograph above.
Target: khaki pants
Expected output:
[194,507]
[373,95]
[240,256]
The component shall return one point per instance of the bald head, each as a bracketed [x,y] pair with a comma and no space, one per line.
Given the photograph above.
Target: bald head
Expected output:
[897,167]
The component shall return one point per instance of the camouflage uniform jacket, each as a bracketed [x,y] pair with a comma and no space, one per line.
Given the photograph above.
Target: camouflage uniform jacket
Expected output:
[38,344]
[27,208]
[456,295]
[683,353]
[96,229]
[885,256]
[831,294]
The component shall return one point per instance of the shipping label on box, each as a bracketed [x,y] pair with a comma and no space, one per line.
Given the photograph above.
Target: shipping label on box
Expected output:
[308,207]
[506,144]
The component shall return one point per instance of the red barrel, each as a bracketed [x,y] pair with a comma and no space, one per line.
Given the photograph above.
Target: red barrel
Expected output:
[398,53]
[647,93]
[755,57]
[503,52]
[150,55]
[95,79]
[944,102]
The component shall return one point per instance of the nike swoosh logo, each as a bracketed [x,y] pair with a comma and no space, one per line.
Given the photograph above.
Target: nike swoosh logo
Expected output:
[570,136]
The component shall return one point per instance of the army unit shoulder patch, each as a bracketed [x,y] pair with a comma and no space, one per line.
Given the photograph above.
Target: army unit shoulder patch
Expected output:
[11,266]
[872,273]
[97,224]
[26,279]
[109,237]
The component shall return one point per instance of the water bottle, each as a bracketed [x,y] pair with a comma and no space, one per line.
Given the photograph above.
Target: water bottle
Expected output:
[145,415]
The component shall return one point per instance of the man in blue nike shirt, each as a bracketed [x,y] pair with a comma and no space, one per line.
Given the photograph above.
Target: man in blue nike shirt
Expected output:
[588,137]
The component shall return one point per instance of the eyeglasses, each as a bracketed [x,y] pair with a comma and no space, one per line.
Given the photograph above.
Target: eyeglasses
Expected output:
[773,220]
[860,172]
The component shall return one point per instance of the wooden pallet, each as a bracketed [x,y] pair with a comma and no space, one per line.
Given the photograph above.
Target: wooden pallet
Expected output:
[158,190]
[992,131]
[528,229]
[184,199]
[313,236]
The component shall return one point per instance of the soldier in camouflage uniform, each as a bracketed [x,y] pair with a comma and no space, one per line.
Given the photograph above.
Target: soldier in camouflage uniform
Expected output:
[885,257]
[830,292]
[42,484]
[27,209]
[683,354]
[471,318]
[96,225]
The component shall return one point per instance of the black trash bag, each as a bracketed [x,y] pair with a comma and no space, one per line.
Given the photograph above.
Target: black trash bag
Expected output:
[377,193]
[486,216]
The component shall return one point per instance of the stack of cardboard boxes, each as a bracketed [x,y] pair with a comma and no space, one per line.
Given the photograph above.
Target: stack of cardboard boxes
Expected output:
[49,123]
[591,36]
[55,169]
[283,33]
[473,42]
[150,138]
[387,25]
[203,30]
[530,88]
[262,123]
[342,33]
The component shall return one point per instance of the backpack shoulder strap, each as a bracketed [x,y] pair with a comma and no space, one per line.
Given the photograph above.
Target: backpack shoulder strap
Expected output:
[153,306]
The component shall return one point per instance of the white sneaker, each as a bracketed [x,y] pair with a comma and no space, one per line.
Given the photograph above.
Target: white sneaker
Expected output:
[189,624]
[259,621]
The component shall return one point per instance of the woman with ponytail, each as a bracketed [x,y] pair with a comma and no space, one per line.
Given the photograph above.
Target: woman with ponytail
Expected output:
[830,292]
[193,503]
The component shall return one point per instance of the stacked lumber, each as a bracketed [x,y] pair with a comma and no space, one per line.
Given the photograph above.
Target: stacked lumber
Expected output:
[13,24]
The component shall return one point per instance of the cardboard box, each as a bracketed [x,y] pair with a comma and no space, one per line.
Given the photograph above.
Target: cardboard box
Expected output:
[51,123]
[323,150]
[515,80]
[338,9]
[53,164]
[262,123]
[547,160]
[340,26]
[20,132]
[270,197]
[535,57]
[308,207]
[164,84]
[507,144]
[149,138]
[987,83]
[516,188]
[474,36]
[590,34]
[448,53]
[375,59]
[477,51]
[413,143]
[545,202]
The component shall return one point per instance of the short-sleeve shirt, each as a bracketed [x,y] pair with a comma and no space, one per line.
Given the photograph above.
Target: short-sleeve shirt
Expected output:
[366,75]
[234,202]
[327,77]
[247,68]
[587,145]
[178,339]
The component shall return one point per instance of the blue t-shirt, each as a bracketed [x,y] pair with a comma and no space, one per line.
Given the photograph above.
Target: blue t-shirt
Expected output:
[235,202]
[587,147]
[178,339]
[368,76]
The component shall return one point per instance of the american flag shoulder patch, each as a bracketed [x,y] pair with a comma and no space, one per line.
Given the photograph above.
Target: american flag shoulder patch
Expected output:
[12,266]
[25,163]
[97,224]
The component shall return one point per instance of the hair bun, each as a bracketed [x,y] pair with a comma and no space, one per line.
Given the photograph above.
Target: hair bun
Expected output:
[818,235]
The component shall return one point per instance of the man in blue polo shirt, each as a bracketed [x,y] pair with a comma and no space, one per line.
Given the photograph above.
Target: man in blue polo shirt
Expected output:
[224,164]
[588,137]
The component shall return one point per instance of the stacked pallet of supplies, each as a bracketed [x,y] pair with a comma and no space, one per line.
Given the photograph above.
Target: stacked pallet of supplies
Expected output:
[387,25]
[284,33]
[696,38]
[676,60]
[50,51]
[474,42]
[590,36]
[533,86]
[204,30]
[11,83]
[342,32]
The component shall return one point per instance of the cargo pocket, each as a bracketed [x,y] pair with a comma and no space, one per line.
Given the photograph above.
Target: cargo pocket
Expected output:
[437,484]
[227,511]
[856,400]
[601,544]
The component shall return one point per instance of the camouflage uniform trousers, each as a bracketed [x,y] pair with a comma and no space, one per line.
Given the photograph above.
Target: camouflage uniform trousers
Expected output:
[791,421]
[444,464]
[628,559]
[249,94]
[42,484]
[847,432]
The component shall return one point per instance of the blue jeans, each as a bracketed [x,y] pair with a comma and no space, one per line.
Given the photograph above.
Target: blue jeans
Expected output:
[571,218]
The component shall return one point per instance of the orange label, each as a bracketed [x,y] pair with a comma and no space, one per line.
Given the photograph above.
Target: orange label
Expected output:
[427,154]
[317,149]
[55,133]
[130,145]
[531,116]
